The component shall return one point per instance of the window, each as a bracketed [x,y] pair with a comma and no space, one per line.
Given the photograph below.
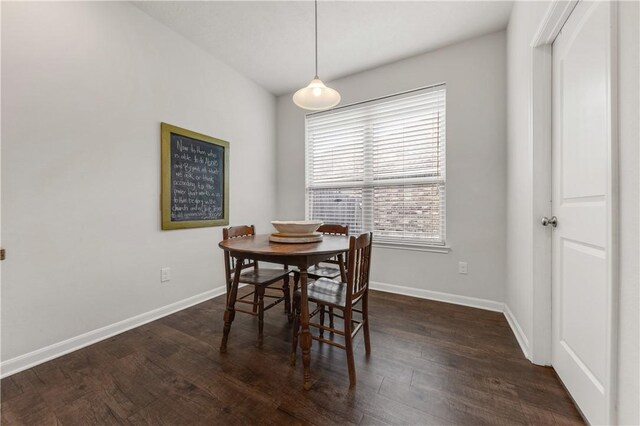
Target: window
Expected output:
[380,166]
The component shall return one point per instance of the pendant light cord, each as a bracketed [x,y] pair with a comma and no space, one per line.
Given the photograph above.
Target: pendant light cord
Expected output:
[316,3]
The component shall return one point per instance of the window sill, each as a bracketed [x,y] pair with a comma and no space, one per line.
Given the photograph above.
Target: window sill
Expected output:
[413,247]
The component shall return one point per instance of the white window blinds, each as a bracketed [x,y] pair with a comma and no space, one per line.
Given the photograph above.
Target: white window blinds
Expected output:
[380,166]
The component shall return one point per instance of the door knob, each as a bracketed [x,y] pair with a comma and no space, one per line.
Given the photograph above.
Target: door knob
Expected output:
[546,221]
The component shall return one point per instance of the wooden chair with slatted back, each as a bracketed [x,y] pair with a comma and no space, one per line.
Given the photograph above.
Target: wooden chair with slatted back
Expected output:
[343,297]
[332,268]
[261,279]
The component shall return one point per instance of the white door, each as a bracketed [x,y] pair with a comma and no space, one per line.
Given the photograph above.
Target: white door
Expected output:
[583,202]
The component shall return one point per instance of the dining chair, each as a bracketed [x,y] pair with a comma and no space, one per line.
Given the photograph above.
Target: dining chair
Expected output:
[260,278]
[331,268]
[342,296]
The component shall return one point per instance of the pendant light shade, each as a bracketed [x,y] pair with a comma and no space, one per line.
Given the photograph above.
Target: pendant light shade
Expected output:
[316,96]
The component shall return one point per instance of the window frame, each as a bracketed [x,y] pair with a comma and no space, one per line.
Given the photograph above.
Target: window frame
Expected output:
[370,183]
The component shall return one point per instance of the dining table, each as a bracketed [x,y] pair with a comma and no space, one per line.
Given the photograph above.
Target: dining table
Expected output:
[301,255]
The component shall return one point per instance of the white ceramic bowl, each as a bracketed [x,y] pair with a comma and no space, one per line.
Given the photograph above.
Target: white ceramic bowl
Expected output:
[300,227]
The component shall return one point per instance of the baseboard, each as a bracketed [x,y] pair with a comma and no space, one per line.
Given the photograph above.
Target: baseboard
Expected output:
[31,359]
[489,305]
[517,331]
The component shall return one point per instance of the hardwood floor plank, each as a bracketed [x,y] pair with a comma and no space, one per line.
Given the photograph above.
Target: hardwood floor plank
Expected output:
[392,412]
[257,411]
[11,388]
[453,408]
[448,379]
[29,409]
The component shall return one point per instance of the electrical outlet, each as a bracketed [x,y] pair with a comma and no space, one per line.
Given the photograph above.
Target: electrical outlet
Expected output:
[462,267]
[165,275]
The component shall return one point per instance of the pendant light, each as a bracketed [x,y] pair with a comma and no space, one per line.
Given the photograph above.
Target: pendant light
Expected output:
[316,96]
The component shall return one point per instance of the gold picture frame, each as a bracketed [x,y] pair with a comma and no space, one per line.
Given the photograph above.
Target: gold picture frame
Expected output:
[195,179]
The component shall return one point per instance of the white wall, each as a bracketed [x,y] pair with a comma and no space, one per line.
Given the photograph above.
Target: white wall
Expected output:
[475,73]
[629,115]
[521,223]
[84,89]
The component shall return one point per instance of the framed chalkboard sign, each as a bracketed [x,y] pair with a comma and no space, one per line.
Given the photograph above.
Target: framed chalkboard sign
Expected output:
[195,179]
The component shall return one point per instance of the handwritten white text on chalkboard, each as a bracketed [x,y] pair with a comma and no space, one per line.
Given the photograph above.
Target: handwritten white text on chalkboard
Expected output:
[197,180]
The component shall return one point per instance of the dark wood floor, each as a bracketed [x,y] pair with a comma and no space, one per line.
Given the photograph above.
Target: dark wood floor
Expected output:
[432,363]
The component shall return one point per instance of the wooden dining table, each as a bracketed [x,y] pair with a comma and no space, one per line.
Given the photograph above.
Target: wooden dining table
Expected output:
[301,255]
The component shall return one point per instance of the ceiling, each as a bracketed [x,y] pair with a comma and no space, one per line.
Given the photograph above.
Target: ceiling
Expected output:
[272,42]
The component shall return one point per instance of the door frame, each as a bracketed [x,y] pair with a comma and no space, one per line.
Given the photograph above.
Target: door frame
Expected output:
[540,121]
[540,169]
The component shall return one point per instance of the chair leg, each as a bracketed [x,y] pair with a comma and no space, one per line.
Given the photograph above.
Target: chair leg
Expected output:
[287,297]
[331,317]
[260,291]
[296,330]
[348,342]
[365,319]
[255,300]
[321,331]
[296,280]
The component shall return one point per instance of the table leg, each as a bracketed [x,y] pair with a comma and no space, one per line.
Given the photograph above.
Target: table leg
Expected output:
[230,312]
[305,334]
